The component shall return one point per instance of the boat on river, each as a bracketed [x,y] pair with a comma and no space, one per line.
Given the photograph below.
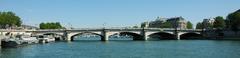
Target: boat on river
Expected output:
[45,39]
[19,40]
[28,39]
[10,42]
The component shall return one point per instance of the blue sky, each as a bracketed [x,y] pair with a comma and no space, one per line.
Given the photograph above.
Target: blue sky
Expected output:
[114,13]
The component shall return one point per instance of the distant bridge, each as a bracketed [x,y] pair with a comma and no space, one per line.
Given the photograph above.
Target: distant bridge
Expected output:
[104,33]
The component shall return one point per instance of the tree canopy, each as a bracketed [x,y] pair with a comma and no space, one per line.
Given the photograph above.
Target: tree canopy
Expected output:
[135,27]
[51,25]
[166,25]
[144,24]
[234,20]
[189,25]
[219,22]
[199,25]
[9,19]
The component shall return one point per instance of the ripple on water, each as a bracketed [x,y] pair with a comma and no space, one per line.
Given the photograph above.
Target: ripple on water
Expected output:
[128,49]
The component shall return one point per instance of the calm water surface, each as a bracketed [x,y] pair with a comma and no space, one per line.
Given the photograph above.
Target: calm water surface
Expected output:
[127,49]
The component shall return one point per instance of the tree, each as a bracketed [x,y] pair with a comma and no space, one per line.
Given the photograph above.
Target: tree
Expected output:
[166,25]
[144,24]
[157,23]
[219,22]
[199,25]
[135,26]
[234,20]
[207,25]
[9,19]
[41,25]
[189,25]
[50,25]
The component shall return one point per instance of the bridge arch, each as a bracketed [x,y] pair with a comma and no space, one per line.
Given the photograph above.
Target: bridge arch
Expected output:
[52,34]
[191,35]
[135,36]
[82,33]
[161,36]
[48,33]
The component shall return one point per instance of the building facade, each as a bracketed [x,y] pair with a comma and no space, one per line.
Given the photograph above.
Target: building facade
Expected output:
[208,23]
[157,22]
[175,22]
[178,22]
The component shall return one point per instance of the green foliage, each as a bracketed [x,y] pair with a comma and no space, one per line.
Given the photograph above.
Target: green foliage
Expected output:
[219,22]
[207,25]
[234,19]
[199,25]
[156,24]
[166,25]
[135,26]
[9,19]
[189,25]
[50,25]
[144,24]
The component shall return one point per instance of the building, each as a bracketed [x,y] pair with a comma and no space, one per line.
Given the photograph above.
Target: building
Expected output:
[161,19]
[208,23]
[157,23]
[178,22]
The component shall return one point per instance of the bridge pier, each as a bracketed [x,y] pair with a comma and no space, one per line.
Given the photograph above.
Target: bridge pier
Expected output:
[105,35]
[178,36]
[67,36]
[145,36]
[104,38]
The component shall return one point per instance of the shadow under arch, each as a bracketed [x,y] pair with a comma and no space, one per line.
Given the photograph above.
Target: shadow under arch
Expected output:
[188,36]
[8,33]
[134,36]
[52,34]
[161,36]
[56,36]
[90,33]
[117,36]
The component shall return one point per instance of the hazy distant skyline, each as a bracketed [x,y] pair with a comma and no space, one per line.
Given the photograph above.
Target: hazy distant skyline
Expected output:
[115,13]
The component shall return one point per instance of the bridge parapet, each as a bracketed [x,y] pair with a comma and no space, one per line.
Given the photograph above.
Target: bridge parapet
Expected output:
[68,33]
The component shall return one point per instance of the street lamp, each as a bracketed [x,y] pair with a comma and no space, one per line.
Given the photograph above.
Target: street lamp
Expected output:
[104,25]
[175,27]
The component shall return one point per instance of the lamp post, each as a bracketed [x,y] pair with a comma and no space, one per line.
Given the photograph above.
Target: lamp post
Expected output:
[175,27]
[104,25]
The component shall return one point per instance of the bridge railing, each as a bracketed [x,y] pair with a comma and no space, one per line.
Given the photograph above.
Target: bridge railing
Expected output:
[125,28]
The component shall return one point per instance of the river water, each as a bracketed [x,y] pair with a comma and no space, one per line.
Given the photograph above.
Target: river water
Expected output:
[127,49]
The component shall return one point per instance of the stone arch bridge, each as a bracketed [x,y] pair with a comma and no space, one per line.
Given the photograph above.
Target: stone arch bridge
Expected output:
[136,33]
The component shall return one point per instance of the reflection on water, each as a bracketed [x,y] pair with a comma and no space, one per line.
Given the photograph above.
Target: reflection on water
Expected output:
[99,38]
[127,49]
